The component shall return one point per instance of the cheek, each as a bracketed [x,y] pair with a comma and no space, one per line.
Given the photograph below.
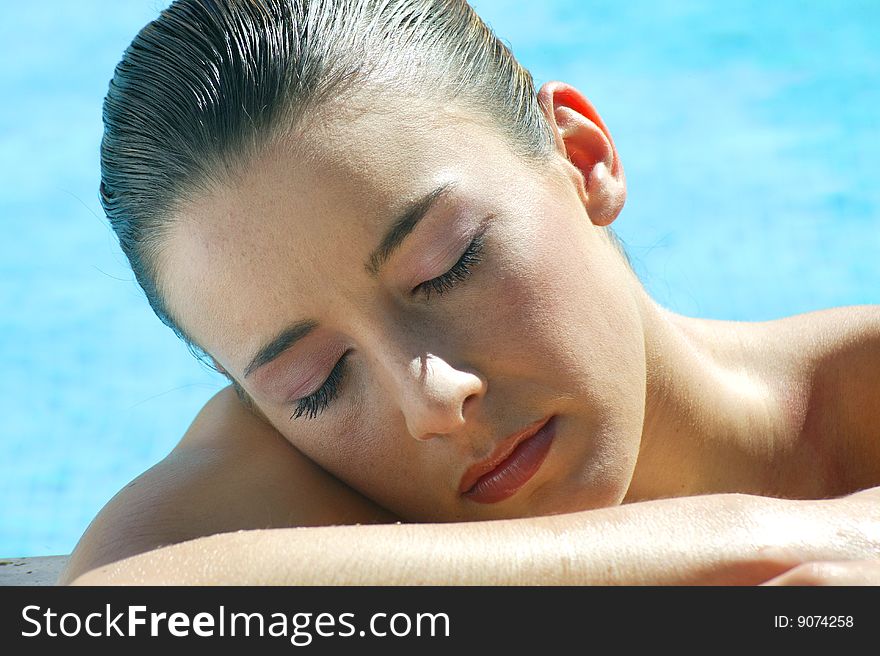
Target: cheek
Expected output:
[370,451]
[565,309]
[343,445]
[540,292]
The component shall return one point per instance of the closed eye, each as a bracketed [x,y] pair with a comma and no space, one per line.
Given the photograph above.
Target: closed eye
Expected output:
[314,404]
[457,274]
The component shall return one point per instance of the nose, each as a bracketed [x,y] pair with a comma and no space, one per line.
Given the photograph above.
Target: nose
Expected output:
[439,397]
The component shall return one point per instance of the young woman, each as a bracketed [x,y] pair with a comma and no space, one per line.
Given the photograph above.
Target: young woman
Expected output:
[443,369]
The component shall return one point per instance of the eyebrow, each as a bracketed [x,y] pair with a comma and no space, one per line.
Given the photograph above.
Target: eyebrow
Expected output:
[402,227]
[392,240]
[279,344]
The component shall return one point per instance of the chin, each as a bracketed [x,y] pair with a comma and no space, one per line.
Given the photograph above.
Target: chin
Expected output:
[590,491]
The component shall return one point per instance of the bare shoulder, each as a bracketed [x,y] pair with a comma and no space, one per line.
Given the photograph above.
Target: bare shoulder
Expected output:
[835,347]
[830,331]
[837,354]
[231,471]
[805,346]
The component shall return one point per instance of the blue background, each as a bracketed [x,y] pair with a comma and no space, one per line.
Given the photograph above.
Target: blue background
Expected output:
[749,132]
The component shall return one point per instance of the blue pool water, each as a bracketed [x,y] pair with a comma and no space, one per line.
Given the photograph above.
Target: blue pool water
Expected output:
[749,131]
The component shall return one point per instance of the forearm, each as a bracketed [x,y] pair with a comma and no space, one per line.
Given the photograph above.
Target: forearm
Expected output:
[713,539]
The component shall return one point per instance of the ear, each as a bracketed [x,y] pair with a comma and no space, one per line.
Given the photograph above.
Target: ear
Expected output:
[582,138]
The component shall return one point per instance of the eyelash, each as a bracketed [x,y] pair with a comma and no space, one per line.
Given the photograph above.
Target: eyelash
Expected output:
[314,404]
[458,273]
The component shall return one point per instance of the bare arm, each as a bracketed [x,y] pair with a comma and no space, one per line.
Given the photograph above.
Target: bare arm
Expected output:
[718,539]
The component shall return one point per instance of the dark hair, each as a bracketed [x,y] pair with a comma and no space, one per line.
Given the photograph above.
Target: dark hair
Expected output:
[206,84]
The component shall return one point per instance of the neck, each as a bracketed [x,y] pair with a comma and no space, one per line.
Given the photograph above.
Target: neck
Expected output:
[723,410]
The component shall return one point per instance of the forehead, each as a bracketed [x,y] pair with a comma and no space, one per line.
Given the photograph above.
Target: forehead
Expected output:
[291,231]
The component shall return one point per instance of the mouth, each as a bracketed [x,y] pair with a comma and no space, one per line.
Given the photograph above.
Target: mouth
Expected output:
[513,464]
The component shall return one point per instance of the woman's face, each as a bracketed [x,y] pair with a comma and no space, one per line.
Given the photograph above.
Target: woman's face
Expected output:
[405,360]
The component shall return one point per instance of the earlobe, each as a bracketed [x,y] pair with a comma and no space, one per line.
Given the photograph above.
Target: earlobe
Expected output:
[582,138]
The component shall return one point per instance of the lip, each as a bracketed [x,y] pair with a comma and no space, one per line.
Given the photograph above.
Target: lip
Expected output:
[511,465]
